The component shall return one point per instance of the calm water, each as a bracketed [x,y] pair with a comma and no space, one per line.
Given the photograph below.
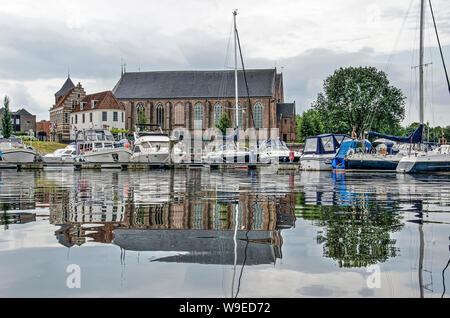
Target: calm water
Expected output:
[234,234]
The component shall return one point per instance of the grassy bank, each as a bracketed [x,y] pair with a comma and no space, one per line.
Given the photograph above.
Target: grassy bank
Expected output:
[45,147]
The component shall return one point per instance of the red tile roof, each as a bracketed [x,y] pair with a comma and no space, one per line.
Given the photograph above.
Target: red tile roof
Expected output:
[106,100]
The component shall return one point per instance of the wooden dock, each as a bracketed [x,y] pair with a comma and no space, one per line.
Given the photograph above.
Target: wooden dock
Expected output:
[142,166]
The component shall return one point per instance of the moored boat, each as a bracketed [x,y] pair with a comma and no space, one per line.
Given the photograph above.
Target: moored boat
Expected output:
[14,150]
[320,150]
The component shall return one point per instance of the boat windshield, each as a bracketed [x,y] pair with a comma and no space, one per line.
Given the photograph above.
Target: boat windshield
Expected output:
[328,143]
[311,145]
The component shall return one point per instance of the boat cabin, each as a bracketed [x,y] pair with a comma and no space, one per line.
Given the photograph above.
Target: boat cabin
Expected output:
[95,139]
[324,144]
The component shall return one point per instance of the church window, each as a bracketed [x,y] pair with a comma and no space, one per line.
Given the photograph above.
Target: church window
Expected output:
[218,110]
[258,117]
[160,115]
[198,116]
[179,114]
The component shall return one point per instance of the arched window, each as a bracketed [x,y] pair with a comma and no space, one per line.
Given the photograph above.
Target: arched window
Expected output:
[160,115]
[258,115]
[179,114]
[141,118]
[198,116]
[218,109]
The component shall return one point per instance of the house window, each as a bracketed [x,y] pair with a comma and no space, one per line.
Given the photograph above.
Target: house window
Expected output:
[122,117]
[198,116]
[258,117]
[218,109]
[93,103]
[66,118]
[90,117]
[83,118]
[104,116]
[160,115]
[71,120]
[76,119]
[115,116]
[74,104]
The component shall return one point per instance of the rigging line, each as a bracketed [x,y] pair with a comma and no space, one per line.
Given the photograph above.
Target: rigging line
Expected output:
[443,278]
[440,48]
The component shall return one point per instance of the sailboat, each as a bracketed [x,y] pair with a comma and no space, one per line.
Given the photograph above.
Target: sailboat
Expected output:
[437,160]
[230,152]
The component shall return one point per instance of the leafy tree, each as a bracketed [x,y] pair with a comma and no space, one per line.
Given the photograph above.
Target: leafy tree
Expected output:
[7,127]
[141,118]
[360,98]
[223,123]
[309,124]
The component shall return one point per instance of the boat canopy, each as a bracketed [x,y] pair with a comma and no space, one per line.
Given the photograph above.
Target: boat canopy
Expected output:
[274,144]
[347,148]
[415,137]
[324,144]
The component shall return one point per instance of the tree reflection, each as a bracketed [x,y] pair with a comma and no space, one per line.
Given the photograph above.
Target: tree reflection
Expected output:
[356,235]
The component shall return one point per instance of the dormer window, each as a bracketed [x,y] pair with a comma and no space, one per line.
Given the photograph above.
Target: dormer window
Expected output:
[93,103]
[74,104]
[82,105]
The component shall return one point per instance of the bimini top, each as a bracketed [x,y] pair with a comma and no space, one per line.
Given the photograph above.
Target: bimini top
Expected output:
[415,137]
[324,144]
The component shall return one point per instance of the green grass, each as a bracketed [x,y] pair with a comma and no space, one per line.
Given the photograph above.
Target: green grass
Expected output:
[45,147]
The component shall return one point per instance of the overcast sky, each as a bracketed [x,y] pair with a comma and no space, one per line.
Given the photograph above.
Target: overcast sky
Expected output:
[41,40]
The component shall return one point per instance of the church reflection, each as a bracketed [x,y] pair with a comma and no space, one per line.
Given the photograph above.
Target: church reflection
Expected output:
[200,224]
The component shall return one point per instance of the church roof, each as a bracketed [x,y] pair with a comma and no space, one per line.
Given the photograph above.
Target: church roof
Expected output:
[67,85]
[63,98]
[285,110]
[105,100]
[192,84]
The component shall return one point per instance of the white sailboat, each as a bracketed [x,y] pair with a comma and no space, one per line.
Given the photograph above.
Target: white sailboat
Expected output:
[230,152]
[434,161]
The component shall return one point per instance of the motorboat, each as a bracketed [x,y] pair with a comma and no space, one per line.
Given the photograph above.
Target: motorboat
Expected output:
[150,147]
[276,150]
[13,149]
[437,160]
[320,150]
[226,153]
[98,146]
[66,154]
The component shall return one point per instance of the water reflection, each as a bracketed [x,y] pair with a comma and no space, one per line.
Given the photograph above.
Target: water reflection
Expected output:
[176,214]
[241,219]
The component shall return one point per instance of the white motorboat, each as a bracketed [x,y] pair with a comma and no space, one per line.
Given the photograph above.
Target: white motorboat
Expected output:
[276,150]
[320,150]
[66,154]
[226,153]
[98,146]
[150,147]
[14,150]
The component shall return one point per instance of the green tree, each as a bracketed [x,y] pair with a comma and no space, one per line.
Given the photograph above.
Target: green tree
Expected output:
[360,98]
[308,124]
[223,123]
[141,118]
[7,127]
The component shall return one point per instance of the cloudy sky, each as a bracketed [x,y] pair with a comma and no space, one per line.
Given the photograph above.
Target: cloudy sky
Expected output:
[41,40]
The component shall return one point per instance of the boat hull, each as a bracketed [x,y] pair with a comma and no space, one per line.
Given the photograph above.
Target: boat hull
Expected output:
[318,163]
[111,156]
[18,155]
[368,164]
[150,158]
[425,164]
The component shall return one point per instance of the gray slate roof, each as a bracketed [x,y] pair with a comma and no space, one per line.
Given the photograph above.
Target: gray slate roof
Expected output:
[191,84]
[67,85]
[285,110]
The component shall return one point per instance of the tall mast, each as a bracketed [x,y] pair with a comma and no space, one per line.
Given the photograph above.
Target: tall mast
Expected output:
[236,112]
[422,22]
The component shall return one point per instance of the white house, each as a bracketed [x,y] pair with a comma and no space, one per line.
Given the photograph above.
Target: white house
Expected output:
[100,110]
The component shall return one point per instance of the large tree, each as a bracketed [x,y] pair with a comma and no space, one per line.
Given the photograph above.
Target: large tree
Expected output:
[360,98]
[223,123]
[7,127]
[308,124]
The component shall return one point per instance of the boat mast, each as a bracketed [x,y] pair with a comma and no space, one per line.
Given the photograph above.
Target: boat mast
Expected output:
[236,111]
[422,22]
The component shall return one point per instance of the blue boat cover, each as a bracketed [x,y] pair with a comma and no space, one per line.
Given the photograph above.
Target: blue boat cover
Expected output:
[415,137]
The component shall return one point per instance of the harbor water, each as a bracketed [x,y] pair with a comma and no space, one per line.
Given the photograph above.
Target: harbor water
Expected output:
[202,233]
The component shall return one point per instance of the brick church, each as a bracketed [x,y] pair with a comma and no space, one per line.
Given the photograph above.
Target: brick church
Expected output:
[197,99]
